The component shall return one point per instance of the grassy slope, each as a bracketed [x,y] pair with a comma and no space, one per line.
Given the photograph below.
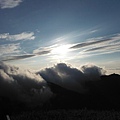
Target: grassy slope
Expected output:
[62,114]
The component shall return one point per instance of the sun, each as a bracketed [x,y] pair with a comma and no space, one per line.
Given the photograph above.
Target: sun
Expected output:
[60,52]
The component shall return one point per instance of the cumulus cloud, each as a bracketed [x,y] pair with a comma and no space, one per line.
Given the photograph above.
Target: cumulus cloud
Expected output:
[9,3]
[92,72]
[72,78]
[17,37]
[24,86]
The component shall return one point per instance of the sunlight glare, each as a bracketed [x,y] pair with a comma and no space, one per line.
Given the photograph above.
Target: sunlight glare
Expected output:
[61,50]
[60,53]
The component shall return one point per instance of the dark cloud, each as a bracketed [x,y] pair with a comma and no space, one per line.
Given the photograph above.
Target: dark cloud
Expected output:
[71,78]
[23,85]
[96,48]
[17,57]
[9,58]
[102,47]
[80,45]
[43,52]
[92,72]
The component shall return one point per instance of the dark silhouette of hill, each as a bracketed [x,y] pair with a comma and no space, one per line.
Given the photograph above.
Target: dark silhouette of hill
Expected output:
[101,94]
[64,98]
[61,86]
[105,92]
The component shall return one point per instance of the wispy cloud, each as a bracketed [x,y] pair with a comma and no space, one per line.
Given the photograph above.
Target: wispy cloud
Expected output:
[92,47]
[60,42]
[7,52]
[37,52]
[45,50]
[9,49]
[108,47]
[73,36]
[98,47]
[17,37]
[99,41]
[24,56]
[9,3]
[84,44]
[42,50]
[9,58]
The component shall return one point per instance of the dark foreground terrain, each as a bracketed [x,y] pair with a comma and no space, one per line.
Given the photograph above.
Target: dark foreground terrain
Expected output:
[62,114]
[101,102]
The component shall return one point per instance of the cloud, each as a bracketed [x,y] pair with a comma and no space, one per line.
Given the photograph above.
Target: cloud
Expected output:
[9,49]
[92,47]
[101,50]
[54,51]
[18,57]
[92,72]
[23,86]
[80,45]
[8,58]
[97,41]
[44,50]
[104,48]
[17,37]
[97,46]
[9,3]
[72,78]
[72,36]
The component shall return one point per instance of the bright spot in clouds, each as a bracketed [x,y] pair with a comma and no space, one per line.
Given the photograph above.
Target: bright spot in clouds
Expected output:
[60,51]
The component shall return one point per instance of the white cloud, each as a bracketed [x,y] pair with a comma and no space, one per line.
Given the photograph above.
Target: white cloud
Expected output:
[16,37]
[9,3]
[44,50]
[23,86]
[9,49]
[98,46]
[72,78]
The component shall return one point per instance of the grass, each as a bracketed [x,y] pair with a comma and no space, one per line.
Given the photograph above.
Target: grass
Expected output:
[62,114]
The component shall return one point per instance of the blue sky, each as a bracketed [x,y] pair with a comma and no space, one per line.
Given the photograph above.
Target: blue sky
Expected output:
[40,33]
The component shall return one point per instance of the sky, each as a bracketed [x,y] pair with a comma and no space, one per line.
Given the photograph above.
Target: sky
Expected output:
[40,33]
